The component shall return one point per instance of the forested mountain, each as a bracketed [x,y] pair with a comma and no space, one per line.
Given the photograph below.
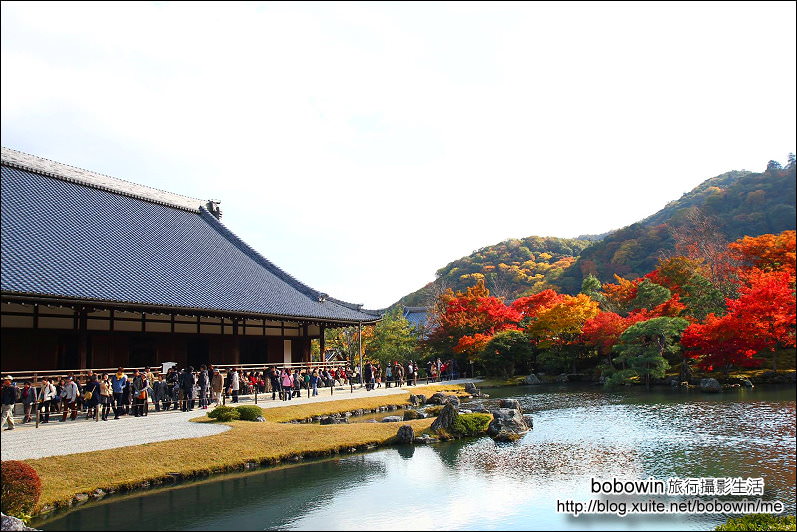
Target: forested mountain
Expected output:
[736,203]
[510,269]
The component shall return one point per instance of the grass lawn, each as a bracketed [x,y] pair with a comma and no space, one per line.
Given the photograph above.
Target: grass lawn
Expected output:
[266,443]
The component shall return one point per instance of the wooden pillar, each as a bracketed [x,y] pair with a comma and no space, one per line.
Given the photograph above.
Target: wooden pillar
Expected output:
[82,341]
[321,346]
[305,344]
[360,347]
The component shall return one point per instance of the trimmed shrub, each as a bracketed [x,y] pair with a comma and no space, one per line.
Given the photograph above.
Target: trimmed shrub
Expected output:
[471,424]
[21,488]
[224,413]
[249,412]
[759,522]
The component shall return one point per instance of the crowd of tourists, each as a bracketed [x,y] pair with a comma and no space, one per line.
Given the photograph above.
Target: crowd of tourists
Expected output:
[130,393]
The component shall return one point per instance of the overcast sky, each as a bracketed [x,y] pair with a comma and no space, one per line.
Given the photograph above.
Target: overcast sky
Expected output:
[362,146]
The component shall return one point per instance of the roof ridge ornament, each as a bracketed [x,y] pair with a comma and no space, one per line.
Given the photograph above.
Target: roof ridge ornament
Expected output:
[213,208]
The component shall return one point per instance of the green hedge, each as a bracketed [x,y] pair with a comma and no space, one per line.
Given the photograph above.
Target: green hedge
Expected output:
[759,522]
[224,413]
[249,412]
[471,424]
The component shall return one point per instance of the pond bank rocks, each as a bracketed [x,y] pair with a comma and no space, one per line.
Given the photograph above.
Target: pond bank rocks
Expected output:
[710,386]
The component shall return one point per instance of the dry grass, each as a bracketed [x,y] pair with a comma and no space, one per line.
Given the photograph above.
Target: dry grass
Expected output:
[265,443]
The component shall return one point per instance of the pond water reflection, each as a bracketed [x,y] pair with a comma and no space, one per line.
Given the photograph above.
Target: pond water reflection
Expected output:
[579,433]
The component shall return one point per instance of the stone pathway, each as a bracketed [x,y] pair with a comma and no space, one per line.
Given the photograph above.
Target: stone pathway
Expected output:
[56,438]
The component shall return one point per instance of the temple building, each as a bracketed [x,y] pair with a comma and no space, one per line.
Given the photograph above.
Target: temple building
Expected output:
[98,272]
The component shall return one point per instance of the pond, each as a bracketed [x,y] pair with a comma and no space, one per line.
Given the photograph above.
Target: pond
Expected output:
[579,433]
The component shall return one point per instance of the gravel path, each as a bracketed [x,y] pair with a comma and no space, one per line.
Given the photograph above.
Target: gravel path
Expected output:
[56,438]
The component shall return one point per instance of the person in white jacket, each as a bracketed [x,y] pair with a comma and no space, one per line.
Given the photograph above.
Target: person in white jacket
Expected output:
[235,384]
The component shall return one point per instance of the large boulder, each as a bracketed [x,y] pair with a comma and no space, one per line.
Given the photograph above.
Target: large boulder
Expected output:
[532,379]
[405,434]
[710,386]
[446,417]
[507,420]
[417,399]
[514,404]
[471,388]
[529,420]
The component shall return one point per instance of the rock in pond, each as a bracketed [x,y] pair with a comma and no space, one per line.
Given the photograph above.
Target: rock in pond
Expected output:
[392,419]
[446,417]
[405,434]
[532,379]
[471,388]
[512,404]
[507,420]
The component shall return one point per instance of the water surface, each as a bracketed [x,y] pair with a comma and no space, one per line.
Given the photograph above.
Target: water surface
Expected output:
[579,433]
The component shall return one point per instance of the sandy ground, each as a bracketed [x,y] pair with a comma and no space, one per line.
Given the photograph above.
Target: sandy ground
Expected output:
[82,435]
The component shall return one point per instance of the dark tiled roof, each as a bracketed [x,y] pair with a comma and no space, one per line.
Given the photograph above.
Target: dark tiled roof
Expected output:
[65,239]
[416,316]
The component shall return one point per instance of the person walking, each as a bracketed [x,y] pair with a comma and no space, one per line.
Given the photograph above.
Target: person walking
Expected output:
[287,384]
[216,386]
[188,382]
[106,396]
[139,392]
[118,382]
[91,396]
[9,397]
[235,384]
[204,383]
[46,394]
[69,394]
[28,398]
[314,381]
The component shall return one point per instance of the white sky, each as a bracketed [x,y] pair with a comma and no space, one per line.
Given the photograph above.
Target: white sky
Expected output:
[362,146]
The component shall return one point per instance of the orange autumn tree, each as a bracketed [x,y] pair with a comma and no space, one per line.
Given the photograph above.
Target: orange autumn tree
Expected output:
[468,319]
[556,328]
[767,252]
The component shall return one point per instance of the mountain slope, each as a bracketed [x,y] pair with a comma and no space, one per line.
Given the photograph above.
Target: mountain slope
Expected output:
[739,203]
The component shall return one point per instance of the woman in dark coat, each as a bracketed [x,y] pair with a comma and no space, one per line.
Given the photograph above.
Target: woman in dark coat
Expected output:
[91,396]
